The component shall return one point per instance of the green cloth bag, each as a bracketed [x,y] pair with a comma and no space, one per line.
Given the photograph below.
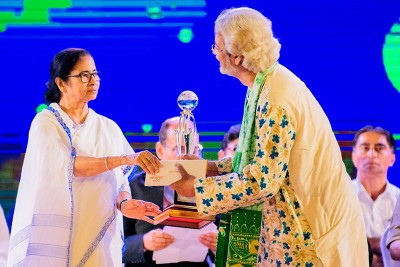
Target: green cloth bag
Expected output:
[245,229]
[238,237]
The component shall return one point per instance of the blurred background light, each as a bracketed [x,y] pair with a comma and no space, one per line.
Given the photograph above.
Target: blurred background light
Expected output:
[185,35]
[391,55]
[40,107]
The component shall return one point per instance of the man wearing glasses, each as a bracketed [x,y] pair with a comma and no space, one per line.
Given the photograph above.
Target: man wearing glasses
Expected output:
[287,164]
[142,238]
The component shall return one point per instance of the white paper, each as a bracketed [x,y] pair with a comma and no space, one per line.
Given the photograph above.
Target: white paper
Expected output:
[169,173]
[186,246]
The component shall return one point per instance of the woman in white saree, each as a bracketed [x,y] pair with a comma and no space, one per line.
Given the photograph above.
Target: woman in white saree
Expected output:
[74,177]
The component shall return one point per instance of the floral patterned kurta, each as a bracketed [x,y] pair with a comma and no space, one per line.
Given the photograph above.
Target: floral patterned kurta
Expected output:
[287,238]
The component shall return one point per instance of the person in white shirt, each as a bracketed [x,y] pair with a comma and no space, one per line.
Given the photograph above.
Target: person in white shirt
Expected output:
[4,239]
[373,154]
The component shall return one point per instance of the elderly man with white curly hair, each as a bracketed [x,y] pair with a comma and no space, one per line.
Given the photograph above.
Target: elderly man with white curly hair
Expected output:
[288,162]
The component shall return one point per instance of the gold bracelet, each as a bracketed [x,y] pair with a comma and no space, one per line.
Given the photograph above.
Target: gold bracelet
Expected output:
[105,163]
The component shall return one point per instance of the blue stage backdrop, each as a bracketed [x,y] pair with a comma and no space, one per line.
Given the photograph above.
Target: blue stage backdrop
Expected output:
[148,52]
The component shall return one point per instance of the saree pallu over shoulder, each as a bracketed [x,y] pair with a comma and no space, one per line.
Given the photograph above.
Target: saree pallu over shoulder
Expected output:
[52,225]
[42,228]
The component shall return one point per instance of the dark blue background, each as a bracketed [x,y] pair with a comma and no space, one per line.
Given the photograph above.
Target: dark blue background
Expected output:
[335,47]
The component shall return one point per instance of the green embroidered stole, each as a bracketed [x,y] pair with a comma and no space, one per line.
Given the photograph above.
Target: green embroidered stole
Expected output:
[239,230]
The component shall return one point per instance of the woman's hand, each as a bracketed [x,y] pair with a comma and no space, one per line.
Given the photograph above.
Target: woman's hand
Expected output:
[157,239]
[209,240]
[138,209]
[146,160]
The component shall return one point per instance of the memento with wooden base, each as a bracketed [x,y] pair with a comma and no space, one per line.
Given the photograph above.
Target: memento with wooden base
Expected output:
[178,210]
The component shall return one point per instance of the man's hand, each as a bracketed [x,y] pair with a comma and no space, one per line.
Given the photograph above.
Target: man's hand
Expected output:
[375,243]
[138,209]
[185,186]
[212,169]
[209,240]
[157,239]
[395,250]
[189,157]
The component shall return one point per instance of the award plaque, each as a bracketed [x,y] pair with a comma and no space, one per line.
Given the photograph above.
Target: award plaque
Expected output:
[178,210]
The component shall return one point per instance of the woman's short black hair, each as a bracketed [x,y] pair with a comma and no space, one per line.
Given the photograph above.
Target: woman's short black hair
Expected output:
[61,66]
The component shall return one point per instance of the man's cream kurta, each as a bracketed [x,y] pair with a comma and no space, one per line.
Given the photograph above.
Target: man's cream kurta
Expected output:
[311,213]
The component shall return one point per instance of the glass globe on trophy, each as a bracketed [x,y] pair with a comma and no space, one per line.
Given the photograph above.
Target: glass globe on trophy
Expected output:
[186,133]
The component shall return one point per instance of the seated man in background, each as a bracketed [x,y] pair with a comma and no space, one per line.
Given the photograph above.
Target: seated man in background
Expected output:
[393,235]
[373,154]
[142,238]
[230,142]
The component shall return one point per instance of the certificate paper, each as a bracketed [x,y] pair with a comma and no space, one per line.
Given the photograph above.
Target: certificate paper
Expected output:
[169,173]
[186,246]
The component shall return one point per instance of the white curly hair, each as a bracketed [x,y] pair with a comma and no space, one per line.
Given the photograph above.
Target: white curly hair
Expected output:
[248,33]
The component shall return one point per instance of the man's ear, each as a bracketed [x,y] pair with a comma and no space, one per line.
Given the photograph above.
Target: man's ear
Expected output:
[159,150]
[238,60]
[393,159]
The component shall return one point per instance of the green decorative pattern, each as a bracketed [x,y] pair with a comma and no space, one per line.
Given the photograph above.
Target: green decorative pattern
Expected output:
[243,246]
[33,12]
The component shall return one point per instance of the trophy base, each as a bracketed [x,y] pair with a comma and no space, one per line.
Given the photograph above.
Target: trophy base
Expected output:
[185,217]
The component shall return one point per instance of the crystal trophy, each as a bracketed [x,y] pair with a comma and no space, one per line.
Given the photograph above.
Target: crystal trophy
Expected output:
[181,211]
[186,134]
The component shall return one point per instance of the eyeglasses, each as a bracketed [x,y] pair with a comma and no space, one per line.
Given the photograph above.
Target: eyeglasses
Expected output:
[85,76]
[196,150]
[215,47]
